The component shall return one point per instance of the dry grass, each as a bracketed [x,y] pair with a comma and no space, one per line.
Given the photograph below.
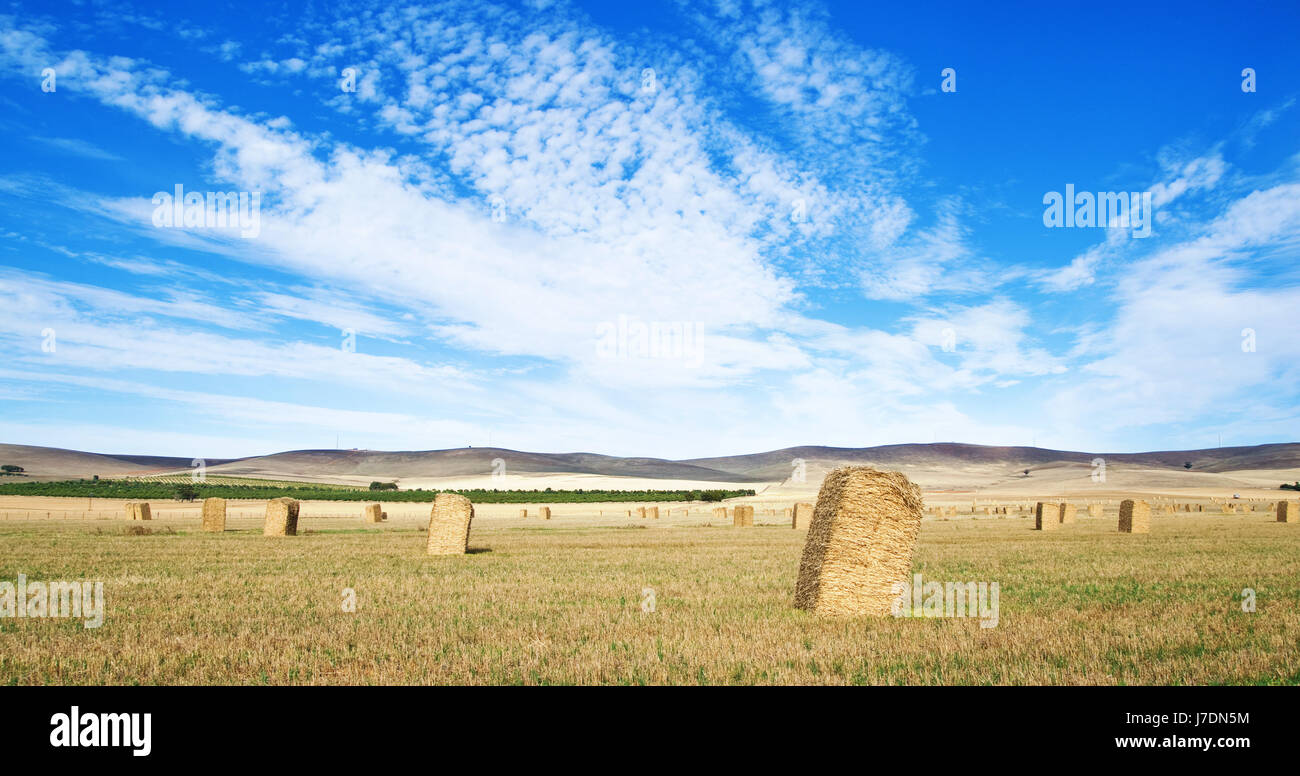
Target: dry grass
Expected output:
[559,603]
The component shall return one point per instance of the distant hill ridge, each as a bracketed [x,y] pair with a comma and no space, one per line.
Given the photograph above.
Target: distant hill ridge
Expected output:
[774,465]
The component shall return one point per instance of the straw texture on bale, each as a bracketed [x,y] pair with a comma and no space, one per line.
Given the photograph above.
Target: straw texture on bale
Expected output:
[1134,517]
[720,513]
[214,515]
[1286,512]
[803,514]
[138,510]
[653,513]
[743,516]
[544,513]
[860,543]
[281,517]
[372,513]
[1068,513]
[449,524]
[1046,516]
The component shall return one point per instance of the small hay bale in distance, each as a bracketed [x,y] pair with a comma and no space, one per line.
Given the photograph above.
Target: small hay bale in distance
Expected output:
[803,515]
[281,517]
[860,543]
[544,513]
[449,524]
[372,513]
[720,513]
[640,511]
[652,513]
[1068,513]
[523,513]
[1094,510]
[789,514]
[1046,516]
[214,515]
[129,509]
[743,516]
[142,511]
[1134,516]
[1286,512]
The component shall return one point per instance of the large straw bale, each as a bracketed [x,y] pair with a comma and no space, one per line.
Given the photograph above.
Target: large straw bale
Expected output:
[281,517]
[449,524]
[1134,516]
[372,513]
[1286,512]
[214,515]
[1067,513]
[640,511]
[743,516]
[1046,516]
[652,513]
[544,513]
[803,514]
[860,542]
[128,508]
[720,513]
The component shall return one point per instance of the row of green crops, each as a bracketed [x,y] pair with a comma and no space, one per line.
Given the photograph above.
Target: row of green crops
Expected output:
[144,490]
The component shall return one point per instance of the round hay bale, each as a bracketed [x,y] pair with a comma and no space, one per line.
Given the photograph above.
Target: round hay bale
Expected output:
[372,513]
[1046,516]
[1134,516]
[743,516]
[214,515]
[449,525]
[281,517]
[860,542]
[802,519]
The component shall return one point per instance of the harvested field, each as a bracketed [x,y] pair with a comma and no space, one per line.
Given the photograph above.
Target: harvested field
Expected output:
[557,602]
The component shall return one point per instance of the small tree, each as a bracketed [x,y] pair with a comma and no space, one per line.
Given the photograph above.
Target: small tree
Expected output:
[187,492]
[11,469]
[1187,465]
[1026,472]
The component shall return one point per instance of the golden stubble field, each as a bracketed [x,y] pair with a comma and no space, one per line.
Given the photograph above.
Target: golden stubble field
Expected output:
[561,602]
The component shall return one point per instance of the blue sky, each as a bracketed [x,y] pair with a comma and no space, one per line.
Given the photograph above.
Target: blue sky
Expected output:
[472,216]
